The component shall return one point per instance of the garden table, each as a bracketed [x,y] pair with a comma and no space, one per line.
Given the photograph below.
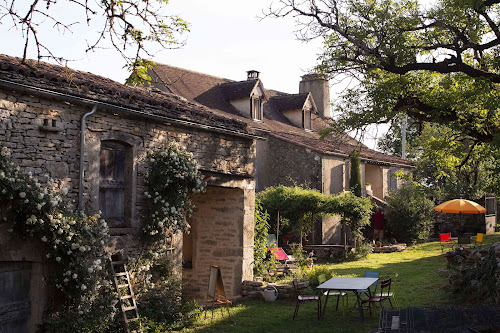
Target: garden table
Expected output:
[347,284]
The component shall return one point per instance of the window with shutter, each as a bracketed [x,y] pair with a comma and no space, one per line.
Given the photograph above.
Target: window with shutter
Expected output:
[114,183]
[256,108]
[306,119]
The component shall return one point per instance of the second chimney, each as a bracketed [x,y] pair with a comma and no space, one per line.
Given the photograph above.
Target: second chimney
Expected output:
[318,86]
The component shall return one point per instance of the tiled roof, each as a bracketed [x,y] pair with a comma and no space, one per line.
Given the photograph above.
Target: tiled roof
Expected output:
[237,90]
[206,89]
[289,102]
[90,86]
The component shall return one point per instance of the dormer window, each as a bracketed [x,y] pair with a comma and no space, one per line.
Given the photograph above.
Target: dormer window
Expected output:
[256,108]
[306,119]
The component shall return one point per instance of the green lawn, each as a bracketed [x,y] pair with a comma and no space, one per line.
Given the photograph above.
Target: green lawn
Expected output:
[421,282]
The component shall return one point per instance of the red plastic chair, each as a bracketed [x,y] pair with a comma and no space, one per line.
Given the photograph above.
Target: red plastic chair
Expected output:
[445,240]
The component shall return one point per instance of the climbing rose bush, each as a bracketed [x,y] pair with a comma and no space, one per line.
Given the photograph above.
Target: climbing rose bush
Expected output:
[173,175]
[74,243]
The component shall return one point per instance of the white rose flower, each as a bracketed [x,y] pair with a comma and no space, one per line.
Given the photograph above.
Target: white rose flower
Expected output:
[26,201]
[82,248]
[68,238]
[47,255]
[22,195]
[58,259]
[60,231]
[83,287]
[69,252]
[64,190]
[75,276]
[74,246]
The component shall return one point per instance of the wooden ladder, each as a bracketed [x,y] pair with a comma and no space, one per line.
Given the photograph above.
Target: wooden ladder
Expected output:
[126,297]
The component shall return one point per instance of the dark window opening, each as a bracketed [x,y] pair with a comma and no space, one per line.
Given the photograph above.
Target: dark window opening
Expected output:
[187,250]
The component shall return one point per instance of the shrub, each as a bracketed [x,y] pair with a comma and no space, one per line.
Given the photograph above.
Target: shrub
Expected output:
[355,180]
[360,252]
[409,214]
[163,307]
[311,275]
[261,262]
[474,275]
[301,259]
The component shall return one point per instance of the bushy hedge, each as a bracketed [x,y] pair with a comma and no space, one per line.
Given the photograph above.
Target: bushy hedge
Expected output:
[409,215]
[475,275]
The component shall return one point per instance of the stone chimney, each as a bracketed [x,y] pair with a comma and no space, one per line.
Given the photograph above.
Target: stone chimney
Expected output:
[318,86]
[252,75]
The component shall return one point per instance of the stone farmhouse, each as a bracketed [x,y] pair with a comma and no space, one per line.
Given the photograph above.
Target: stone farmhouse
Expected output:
[45,108]
[292,152]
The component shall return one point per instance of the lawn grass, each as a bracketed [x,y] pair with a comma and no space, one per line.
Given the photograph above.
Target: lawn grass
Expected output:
[422,281]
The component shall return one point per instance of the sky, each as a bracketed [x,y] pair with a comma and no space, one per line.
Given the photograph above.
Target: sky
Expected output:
[226,39]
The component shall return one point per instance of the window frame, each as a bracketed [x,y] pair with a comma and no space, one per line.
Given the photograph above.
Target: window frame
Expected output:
[307,115]
[122,180]
[257,109]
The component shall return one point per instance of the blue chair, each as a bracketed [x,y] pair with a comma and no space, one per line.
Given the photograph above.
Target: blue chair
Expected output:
[368,291]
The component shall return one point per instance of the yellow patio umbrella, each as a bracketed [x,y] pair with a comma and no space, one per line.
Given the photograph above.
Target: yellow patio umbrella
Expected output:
[460,206]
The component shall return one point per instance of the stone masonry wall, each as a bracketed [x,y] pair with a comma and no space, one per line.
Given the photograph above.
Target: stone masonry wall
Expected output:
[222,232]
[43,136]
[283,163]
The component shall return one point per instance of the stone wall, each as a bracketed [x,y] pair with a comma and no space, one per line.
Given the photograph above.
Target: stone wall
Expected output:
[253,289]
[283,163]
[44,138]
[222,235]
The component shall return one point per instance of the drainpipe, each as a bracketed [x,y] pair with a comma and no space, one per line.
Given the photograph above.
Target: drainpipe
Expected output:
[82,154]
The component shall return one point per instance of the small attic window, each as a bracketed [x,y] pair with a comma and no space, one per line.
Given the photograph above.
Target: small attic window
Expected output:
[256,108]
[306,119]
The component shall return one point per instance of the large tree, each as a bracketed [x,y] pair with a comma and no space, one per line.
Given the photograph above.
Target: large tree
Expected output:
[437,64]
[447,163]
[134,28]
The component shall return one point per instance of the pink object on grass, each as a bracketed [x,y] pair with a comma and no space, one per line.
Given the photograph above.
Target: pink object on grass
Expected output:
[278,253]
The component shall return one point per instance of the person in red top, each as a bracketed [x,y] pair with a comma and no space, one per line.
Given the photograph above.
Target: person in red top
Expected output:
[378,225]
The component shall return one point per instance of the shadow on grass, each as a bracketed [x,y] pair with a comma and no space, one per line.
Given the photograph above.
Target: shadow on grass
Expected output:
[259,316]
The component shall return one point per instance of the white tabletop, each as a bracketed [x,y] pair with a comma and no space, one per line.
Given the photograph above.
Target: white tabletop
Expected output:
[348,283]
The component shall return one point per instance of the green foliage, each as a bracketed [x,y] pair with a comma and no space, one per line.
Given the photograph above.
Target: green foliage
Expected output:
[302,260]
[163,307]
[448,163]
[173,175]
[261,258]
[437,62]
[409,214]
[311,275]
[297,206]
[74,245]
[355,179]
[360,252]
[139,69]
[474,275]
[354,210]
